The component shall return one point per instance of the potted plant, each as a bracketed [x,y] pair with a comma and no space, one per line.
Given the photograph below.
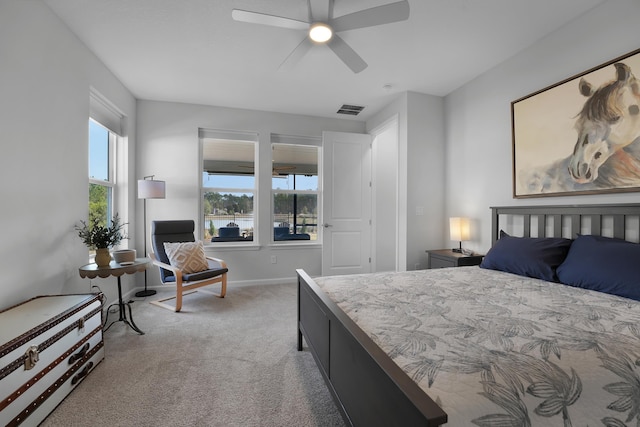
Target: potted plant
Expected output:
[101,237]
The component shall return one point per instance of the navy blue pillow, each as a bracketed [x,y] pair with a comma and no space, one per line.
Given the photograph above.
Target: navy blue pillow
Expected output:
[603,264]
[537,257]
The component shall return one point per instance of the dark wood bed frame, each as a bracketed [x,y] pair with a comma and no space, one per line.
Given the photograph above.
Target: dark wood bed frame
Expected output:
[367,386]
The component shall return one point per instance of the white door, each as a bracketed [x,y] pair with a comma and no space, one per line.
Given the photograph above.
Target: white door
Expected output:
[346,203]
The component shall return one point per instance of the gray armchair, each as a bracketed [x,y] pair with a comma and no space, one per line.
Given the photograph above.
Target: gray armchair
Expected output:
[182,231]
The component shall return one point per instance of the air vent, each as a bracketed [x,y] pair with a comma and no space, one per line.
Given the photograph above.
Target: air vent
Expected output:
[350,110]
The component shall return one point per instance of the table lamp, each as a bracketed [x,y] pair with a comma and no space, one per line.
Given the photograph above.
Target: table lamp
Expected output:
[459,229]
[148,188]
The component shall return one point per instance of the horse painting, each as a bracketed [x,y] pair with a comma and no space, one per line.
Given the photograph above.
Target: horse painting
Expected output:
[606,152]
[608,122]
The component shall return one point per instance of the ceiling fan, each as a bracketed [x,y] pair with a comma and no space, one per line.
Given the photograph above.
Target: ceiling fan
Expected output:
[322,26]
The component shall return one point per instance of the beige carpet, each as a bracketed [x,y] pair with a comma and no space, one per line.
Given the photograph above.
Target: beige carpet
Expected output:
[219,362]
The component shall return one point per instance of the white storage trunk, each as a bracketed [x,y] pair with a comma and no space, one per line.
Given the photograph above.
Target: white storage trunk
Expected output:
[47,346]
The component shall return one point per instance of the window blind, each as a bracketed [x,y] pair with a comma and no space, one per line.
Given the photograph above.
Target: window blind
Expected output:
[104,112]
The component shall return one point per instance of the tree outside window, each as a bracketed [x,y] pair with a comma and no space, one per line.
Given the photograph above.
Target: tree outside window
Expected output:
[101,172]
[295,192]
[228,186]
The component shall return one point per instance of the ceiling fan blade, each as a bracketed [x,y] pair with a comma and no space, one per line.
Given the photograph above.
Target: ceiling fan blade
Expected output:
[385,14]
[320,10]
[271,20]
[347,54]
[296,55]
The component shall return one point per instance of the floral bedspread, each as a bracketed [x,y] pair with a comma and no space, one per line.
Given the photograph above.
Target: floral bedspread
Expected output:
[495,349]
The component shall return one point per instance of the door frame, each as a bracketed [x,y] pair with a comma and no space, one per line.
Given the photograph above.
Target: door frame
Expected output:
[388,124]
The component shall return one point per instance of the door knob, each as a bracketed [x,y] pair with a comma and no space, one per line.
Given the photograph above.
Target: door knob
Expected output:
[326,225]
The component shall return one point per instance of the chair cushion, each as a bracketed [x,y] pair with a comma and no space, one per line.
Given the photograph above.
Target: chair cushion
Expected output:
[215,269]
[232,239]
[299,236]
[280,231]
[187,256]
[229,232]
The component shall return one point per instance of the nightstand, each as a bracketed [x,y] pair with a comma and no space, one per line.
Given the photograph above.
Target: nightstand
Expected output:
[440,258]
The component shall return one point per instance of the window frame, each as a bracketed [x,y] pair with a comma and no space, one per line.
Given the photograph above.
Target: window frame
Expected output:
[302,142]
[226,135]
[111,182]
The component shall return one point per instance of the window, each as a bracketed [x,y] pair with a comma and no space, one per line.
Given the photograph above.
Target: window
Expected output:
[294,188]
[228,186]
[107,195]
[101,172]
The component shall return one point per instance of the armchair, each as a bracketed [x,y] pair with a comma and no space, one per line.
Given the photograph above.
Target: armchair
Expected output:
[212,270]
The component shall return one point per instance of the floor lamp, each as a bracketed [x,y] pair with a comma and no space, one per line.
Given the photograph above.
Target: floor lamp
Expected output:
[148,188]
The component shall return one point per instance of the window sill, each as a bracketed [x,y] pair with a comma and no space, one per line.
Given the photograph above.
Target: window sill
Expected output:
[228,247]
[294,244]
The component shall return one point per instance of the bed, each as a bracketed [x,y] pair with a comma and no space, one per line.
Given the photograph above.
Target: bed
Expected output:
[545,332]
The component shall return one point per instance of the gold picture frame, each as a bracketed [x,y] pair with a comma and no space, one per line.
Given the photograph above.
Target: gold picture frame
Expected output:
[581,135]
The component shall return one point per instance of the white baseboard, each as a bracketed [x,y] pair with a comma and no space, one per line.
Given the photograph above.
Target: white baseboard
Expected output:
[280,281]
[230,285]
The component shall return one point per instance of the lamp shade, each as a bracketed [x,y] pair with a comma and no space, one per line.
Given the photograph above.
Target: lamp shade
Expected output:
[151,189]
[459,229]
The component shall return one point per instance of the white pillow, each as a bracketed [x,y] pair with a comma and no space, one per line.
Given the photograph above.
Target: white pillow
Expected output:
[187,256]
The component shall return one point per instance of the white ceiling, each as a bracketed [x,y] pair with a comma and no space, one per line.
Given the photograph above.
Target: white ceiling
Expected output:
[192,51]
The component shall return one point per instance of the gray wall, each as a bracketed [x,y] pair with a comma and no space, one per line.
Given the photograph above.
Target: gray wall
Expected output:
[168,148]
[385,196]
[421,188]
[45,76]
[478,115]
[168,136]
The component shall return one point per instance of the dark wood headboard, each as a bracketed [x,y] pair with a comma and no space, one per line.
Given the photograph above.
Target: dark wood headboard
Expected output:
[621,221]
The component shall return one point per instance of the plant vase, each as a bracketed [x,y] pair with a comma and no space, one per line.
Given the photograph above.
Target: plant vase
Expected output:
[103,257]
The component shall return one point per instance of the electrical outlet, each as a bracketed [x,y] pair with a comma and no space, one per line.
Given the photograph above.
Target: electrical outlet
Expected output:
[417,266]
[274,259]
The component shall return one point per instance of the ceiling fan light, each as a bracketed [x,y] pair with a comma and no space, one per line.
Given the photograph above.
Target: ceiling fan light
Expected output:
[320,32]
